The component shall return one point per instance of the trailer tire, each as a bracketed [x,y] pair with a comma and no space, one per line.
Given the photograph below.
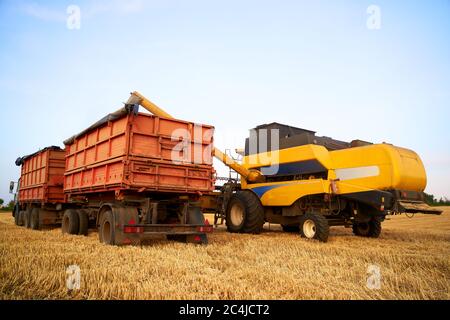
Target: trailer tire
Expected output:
[17,215]
[371,229]
[70,222]
[290,228]
[106,231]
[21,221]
[314,226]
[34,219]
[83,220]
[245,213]
[27,218]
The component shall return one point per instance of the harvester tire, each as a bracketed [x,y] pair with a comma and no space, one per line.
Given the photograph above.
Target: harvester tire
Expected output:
[107,232]
[371,229]
[314,226]
[34,221]
[245,213]
[83,225]
[70,222]
[290,228]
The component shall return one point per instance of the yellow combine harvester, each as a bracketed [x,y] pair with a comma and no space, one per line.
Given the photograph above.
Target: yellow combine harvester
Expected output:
[308,183]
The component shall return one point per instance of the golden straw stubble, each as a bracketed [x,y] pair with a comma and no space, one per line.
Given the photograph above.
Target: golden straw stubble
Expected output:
[413,257]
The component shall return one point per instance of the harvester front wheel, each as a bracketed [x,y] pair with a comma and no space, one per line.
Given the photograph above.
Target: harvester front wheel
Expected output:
[245,213]
[314,226]
[371,229]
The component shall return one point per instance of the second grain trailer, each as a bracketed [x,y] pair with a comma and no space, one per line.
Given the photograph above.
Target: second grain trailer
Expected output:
[40,198]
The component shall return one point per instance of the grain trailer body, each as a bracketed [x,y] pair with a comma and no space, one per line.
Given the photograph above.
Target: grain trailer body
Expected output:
[40,195]
[137,152]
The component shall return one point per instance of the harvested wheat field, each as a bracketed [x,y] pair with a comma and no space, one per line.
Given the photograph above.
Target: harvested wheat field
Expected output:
[413,256]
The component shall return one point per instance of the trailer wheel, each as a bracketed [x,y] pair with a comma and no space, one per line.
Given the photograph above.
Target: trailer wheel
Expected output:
[83,223]
[17,215]
[34,221]
[106,232]
[70,222]
[371,229]
[245,213]
[27,218]
[290,228]
[314,226]
[21,221]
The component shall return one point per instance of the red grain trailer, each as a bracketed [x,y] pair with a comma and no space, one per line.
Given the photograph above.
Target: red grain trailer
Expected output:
[40,196]
[135,175]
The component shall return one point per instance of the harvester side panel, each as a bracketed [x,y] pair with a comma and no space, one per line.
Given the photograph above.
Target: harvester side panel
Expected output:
[378,167]
[355,170]
[286,193]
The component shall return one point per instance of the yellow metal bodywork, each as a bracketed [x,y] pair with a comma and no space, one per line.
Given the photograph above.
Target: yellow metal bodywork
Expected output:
[399,168]
[372,167]
[286,193]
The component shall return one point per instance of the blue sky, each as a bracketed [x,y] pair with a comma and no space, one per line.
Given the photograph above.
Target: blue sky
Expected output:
[232,64]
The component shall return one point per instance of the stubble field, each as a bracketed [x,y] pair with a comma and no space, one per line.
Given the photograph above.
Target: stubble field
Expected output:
[413,257]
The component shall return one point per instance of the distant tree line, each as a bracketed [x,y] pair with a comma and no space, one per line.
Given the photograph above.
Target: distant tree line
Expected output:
[432,201]
[8,207]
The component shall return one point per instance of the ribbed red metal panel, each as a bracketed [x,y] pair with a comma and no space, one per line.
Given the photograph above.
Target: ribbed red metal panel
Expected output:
[141,152]
[42,177]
